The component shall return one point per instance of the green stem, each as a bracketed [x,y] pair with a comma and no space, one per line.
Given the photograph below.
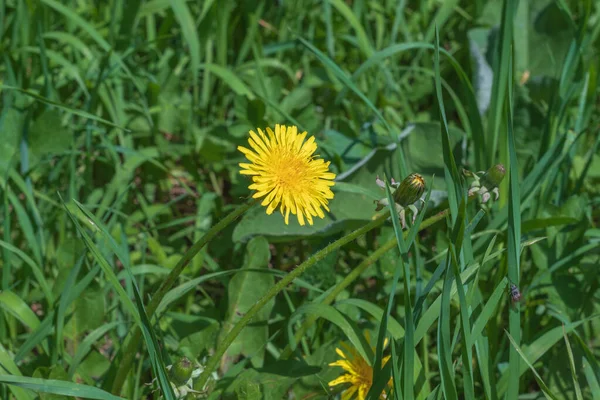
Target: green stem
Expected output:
[354,274]
[134,341]
[235,331]
[282,284]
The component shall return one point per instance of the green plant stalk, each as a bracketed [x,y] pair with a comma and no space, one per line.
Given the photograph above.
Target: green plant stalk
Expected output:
[235,331]
[134,341]
[356,272]
[279,286]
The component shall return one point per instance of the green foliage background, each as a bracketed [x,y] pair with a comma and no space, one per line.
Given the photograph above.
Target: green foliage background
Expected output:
[119,123]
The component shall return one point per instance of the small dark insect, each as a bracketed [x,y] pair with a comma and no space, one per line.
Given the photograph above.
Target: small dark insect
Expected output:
[515,293]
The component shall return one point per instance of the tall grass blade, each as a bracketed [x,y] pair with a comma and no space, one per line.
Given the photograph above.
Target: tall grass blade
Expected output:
[538,378]
[578,393]
[514,241]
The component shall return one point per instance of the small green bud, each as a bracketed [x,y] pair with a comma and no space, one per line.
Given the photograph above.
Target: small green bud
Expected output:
[181,371]
[493,176]
[410,190]
[248,389]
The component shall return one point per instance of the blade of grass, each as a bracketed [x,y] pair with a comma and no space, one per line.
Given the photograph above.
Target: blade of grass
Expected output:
[592,379]
[363,41]
[486,367]
[408,349]
[396,371]
[538,378]
[514,238]
[502,67]
[443,337]
[7,365]
[347,326]
[63,303]
[36,271]
[15,305]
[106,268]
[465,325]
[129,349]
[343,77]
[156,360]
[538,349]
[578,394]
[488,310]
[394,328]
[452,178]
[85,346]
[63,107]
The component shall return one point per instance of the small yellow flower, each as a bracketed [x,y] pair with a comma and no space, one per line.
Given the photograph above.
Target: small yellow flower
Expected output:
[287,174]
[359,374]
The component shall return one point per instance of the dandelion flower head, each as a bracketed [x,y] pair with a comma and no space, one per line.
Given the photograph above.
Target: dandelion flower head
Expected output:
[358,373]
[287,174]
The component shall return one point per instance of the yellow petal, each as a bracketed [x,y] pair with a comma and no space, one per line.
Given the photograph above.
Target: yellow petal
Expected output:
[347,395]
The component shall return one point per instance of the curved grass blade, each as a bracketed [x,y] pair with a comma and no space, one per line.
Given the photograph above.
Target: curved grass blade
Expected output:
[156,360]
[106,268]
[334,316]
[572,367]
[86,345]
[343,77]
[350,16]
[13,304]
[230,79]
[70,110]
[37,337]
[488,310]
[592,379]
[176,293]
[538,378]
[394,327]
[35,269]
[534,351]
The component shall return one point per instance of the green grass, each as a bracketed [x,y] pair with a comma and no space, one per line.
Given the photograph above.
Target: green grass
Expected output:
[128,238]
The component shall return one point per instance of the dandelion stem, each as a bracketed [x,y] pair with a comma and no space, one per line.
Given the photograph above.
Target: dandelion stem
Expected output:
[235,331]
[134,341]
[279,286]
[356,272]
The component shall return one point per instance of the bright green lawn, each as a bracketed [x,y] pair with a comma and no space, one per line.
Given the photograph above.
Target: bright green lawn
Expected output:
[124,221]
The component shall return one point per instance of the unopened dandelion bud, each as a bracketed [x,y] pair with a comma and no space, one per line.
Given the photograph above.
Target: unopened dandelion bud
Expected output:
[410,190]
[181,371]
[493,176]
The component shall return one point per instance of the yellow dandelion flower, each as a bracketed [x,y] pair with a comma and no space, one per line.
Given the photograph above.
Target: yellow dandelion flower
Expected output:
[286,173]
[359,374]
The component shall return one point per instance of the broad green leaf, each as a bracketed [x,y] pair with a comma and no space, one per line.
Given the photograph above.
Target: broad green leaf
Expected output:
[244,290]
[47,136]
[89,310]
[348,210]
